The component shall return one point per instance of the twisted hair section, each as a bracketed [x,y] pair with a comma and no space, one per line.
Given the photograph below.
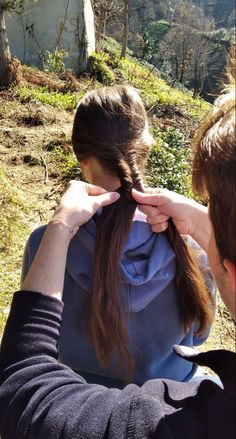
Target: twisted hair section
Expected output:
[195,300]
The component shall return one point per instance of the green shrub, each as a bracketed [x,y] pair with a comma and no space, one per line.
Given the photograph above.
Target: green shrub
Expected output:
[97,65]
[168,164]
[54,61]
[113,60]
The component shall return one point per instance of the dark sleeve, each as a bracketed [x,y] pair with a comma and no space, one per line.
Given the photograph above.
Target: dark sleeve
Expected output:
[39,397]
[43,399]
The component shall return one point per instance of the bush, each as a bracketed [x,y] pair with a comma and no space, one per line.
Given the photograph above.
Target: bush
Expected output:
[54,61]
[113,60]
[97,65]
[168,164]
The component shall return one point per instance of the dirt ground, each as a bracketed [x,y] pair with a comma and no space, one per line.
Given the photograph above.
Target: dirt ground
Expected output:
[26,132]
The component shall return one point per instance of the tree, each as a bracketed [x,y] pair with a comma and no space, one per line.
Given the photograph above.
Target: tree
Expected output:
[107,12]
[5,54]
[185,46]
[125,29]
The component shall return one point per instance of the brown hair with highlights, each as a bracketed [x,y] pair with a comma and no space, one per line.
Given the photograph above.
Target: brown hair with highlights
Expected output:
[214,167]
[111,125]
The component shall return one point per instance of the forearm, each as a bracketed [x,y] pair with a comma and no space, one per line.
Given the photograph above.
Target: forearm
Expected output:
[200,230]
[189,217]
[33,381]
[47,271]
[41,398]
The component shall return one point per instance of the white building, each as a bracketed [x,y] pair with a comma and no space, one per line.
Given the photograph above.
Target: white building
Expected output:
[46,25]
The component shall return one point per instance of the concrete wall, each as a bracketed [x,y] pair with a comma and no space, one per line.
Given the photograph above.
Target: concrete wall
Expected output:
[47,24]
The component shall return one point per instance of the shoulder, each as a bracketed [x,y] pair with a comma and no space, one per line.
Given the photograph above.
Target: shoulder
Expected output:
[177,410]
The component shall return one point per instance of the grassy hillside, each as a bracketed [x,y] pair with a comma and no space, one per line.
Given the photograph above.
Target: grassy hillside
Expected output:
[173,113]
[39,99]
[36,118]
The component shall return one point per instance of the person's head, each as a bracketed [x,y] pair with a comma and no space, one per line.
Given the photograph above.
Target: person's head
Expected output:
[111,137]
[111,140]
[214,176]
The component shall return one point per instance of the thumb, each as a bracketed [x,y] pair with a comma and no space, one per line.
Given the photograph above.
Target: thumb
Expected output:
[106,199]
[144,198]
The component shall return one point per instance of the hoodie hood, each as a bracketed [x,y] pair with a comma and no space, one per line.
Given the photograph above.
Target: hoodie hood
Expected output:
[147,263]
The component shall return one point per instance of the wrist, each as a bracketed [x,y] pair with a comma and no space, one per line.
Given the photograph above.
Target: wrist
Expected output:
[63,227]
[61,230]
[196,213]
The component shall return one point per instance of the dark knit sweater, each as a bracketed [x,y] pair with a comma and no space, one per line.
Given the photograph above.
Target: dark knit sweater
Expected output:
[41,398]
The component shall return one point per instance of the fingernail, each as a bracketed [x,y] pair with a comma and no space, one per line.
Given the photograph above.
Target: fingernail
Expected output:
[115,196]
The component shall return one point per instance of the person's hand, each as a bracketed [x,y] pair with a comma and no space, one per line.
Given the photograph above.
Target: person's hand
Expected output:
[160,204]
[79,203]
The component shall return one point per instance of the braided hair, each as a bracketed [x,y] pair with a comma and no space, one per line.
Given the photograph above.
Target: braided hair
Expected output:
[111,125]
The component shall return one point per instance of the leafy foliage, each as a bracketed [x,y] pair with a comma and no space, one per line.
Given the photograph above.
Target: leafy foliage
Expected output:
[13,5]
[98,66]
[168,164]
[153,34]
[54,61]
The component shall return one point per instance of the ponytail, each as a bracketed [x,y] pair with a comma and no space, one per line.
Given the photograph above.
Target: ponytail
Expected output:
[107,321]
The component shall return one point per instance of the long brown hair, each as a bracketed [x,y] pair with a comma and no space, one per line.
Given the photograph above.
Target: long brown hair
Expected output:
[214,165]
[111,125]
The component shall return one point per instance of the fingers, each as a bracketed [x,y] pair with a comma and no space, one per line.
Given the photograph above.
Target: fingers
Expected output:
[90,189]
[157,198]
[148,210]
[158,228]
[143,198]
[105,199]
[156,190]
[157,220]
[94,190]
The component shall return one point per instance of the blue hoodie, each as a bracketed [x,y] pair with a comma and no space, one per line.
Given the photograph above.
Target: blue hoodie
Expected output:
[150,301]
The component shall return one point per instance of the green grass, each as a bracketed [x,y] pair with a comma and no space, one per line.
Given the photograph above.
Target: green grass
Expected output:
[107,68]
[66,101]
[155,90]
[67,163]
[14,229]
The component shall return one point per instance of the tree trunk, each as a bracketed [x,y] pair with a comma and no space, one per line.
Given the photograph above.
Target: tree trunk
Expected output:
[125,31]
[196,80]
[5,55]
[182,71]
